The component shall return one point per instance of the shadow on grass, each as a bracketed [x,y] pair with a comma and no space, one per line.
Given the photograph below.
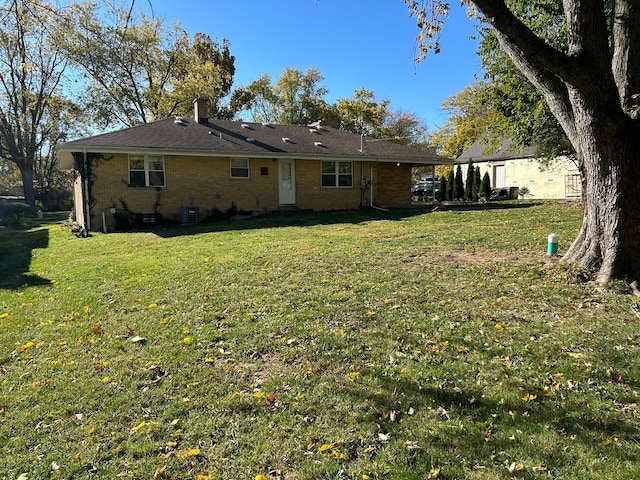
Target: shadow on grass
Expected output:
[296,219]
[15,257]
[486,426]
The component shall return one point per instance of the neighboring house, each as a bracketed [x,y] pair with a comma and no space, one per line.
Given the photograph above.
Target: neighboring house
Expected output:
[185,170]
[510,168]
[14,194]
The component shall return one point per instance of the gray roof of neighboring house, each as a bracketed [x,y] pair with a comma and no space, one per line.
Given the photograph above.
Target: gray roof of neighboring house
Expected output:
[478,152]
[185,136]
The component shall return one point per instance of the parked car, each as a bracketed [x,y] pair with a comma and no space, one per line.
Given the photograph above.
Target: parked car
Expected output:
[424,188]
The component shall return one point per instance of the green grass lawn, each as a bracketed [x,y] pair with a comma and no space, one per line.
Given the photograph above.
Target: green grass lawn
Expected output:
[372,345]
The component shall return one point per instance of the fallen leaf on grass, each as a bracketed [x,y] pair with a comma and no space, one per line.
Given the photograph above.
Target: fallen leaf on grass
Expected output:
[529,397]
[326,446]
[137,428]
[614,376]
[433,473]
[159,473]
[610,441]
[192,452]
[91,430]
[515,467]
[352,376]
[137,339]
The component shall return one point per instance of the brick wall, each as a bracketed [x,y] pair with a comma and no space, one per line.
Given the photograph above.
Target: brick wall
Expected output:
[206,183]
[392,184]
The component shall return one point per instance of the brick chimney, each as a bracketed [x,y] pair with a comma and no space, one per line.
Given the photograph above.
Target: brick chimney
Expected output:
[200,110]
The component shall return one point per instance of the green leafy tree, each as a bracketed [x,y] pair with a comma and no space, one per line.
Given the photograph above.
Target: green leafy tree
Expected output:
[363,113]
[31,78]
[590,80]
[138,69]
[469,118]
[9,175]
[296,98]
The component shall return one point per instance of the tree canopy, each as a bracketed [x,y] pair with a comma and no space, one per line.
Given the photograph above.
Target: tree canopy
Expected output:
[140,70]
[31,79]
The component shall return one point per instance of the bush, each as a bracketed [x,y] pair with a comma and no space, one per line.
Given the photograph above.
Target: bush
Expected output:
[458,185]
[468,185]
[485,187]
[12,212]
[450,183]
[442,193]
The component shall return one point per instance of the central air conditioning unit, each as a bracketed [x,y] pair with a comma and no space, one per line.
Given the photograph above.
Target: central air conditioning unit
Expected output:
[189,215]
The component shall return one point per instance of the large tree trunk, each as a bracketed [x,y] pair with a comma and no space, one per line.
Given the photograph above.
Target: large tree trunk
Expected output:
[27,185]
[581,90]
[608,243]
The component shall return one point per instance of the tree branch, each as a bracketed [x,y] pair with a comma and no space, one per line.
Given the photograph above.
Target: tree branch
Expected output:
[626,52]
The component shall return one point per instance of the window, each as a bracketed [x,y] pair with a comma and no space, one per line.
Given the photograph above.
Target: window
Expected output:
[337,174]
[146,171]
[239,168]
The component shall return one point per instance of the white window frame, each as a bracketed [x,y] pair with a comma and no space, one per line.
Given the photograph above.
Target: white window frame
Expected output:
[237,167]
[337,175]
[149,161]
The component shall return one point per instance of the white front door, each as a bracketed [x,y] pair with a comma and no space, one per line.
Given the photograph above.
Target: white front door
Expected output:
[287,181]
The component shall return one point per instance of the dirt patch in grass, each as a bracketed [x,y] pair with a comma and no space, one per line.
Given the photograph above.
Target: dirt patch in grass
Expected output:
[482,257]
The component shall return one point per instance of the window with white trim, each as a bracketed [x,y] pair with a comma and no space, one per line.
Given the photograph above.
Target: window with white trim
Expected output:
[146,171]
[337,174]
[239,168]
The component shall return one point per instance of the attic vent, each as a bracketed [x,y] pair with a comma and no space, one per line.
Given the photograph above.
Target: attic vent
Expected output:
[250,139]
[265,124]
[318,144]
[244,125]
[286,139]
[313,130]
[178,120]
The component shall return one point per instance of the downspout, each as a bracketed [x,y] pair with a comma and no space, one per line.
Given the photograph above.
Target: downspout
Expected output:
[87,214]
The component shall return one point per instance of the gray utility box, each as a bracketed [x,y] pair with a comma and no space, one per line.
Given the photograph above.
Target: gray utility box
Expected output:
[189,215]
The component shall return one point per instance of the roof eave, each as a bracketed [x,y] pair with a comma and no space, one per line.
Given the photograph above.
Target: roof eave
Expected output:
[70,148]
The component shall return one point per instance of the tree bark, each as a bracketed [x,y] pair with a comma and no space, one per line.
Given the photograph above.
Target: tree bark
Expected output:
[609,239]
[27,186]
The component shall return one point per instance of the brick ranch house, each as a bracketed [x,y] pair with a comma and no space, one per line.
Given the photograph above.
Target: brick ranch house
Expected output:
[182,170]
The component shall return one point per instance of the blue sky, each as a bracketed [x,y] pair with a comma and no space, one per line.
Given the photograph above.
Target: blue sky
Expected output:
[353,43]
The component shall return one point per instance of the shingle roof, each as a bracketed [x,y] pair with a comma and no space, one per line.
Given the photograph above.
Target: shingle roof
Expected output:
[225,137]
[478,153]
